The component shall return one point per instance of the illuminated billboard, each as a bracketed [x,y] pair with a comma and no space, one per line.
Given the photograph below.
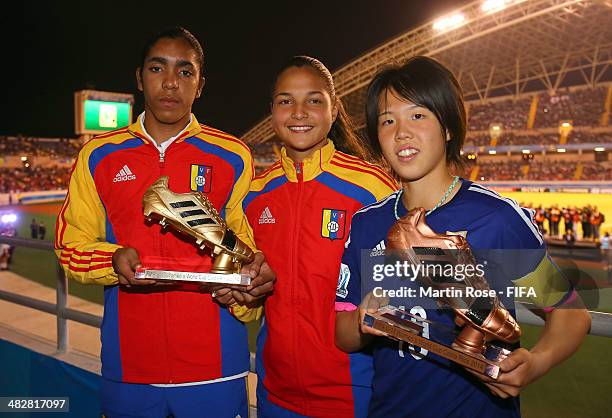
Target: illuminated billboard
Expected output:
[99,111]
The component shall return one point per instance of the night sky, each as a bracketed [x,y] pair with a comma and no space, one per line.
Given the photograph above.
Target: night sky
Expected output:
[53,48]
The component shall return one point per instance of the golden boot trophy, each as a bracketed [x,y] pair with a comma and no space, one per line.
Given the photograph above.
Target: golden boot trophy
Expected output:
[193,215]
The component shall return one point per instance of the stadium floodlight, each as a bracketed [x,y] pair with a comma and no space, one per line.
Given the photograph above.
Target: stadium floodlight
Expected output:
[24,158]
[560,149]
[449,22]
[496,127]
[566,125]
[492,152]
[599,149]
[8,218]
[492,6]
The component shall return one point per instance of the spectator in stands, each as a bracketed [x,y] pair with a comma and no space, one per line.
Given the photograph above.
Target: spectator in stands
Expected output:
[540,217]
[585,220]
[597,218]
[555,218]
[34,229]
[42,230]
[567,218]
[570,239]
[576,216]
[4,256]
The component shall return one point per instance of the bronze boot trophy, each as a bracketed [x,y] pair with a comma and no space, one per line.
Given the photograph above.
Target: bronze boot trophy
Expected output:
[484,319]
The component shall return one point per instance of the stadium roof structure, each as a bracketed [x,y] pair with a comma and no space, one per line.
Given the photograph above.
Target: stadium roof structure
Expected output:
[494,48]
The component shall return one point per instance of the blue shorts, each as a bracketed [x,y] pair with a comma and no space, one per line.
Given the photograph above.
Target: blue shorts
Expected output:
[223,399]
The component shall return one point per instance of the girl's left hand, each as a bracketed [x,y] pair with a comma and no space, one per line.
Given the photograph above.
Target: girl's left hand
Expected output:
[517,371]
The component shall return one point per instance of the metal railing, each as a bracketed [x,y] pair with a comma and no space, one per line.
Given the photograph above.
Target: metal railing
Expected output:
[60,309]
[601,322]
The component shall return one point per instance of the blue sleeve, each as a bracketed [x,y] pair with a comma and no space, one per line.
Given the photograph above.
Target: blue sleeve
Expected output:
[521,231]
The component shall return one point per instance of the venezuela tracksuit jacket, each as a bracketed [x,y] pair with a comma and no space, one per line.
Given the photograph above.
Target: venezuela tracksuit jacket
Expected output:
[155,335]
[300,215]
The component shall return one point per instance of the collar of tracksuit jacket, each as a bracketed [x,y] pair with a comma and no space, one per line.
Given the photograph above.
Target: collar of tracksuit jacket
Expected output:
[192,129]
[310,167]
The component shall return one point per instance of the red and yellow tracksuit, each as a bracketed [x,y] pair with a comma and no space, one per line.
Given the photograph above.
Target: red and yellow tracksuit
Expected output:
[159,336]
[300,214]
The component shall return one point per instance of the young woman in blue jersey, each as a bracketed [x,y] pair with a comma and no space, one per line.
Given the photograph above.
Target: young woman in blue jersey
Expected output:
[300,210]
[416,121]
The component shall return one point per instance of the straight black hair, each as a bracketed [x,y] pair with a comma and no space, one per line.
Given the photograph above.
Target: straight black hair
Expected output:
[175,32]
[342,131]
[427,83]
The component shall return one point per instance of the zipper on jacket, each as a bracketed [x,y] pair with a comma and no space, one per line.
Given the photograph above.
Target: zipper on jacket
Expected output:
[299,169]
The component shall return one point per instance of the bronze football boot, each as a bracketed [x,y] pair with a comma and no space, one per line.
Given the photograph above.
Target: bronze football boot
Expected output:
[193,215]
[485,318]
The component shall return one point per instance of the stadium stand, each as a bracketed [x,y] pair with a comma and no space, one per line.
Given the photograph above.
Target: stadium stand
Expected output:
[550,169]
[508,113]
[583,107]
[33,179]
[39,147]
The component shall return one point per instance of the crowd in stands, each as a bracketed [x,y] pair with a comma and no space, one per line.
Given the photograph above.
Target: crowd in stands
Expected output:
[502,170]
[39,147]
[510,114]
[576,137]
[544,170]
[510,138]
[583,107]
[33,179]
[592,170]
[550,219]
[264,153]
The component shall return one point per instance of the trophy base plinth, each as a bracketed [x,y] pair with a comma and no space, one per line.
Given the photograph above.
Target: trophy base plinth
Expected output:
[401,325]
[232,279]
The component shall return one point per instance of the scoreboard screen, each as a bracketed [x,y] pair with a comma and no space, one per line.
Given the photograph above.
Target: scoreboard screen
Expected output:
[98,111]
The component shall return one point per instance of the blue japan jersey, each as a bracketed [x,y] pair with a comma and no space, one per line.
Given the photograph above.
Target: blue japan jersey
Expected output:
[410,381]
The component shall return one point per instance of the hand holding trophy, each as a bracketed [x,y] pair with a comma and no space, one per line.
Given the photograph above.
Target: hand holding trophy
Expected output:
[484,318]
[193,215]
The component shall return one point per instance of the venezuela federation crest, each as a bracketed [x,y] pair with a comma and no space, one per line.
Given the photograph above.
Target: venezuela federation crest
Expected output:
[201,178]
[333,223]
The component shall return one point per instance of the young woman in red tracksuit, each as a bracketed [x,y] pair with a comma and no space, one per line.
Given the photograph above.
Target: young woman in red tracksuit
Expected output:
[300,210]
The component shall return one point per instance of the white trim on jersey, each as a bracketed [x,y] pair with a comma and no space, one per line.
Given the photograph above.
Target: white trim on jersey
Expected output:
[378,204]
[513,204]
[203,382]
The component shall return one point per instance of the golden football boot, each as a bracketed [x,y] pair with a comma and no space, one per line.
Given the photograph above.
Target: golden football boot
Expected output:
[484,318]
[193,215]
